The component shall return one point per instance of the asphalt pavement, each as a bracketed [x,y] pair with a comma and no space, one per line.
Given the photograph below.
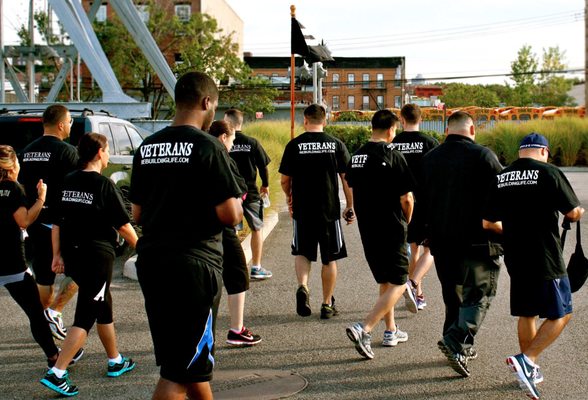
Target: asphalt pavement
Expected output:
[315,349]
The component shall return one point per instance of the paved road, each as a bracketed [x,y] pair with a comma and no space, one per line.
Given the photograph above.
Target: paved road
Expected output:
[318,350]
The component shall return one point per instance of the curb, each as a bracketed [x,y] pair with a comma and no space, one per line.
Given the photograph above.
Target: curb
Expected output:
[270,221]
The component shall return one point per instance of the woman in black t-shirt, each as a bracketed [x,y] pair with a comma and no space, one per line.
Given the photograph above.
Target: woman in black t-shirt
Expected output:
[14,274]
[89,207]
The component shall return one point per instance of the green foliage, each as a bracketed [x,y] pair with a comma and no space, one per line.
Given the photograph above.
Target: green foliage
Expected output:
[568,139]
[354,136]
[196,45]
[251,95]
[463,95]
[353,116]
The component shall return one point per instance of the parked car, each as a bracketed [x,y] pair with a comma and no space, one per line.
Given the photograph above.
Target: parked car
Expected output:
[20,127]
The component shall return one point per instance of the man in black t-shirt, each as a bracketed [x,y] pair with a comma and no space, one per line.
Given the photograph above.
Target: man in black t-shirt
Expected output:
[250,158]
[414,145]
[49,158]
[524,205]
[182,194]
[457,178]
[378,174]
[310,167]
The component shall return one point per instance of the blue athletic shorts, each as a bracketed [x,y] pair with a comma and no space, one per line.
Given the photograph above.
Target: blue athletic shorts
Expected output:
[551,299]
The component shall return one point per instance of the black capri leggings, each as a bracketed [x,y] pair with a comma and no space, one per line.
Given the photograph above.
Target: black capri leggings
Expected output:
[235,272]
[26,295]
[91,269]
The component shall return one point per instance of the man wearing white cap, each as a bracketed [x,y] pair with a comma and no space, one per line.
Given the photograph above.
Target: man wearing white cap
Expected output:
[524,205]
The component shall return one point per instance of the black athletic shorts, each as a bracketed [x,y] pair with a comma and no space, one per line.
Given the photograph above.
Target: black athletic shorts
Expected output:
[40,237]
[235,272]
[386,257]
[182,294]
[551,299]
[90,267]
[310,234]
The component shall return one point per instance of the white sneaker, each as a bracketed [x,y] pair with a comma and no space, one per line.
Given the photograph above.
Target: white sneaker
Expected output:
[392,338]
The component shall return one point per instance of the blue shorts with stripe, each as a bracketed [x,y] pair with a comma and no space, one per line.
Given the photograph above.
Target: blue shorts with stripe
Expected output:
[551,299]
[309,234]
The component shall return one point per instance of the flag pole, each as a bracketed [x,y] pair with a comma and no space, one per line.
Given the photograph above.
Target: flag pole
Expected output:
[292,75]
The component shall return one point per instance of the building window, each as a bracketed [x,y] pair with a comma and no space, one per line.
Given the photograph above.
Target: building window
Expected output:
[380,81]
[350,102]
[397,78]
[365,102]
[365,81]
[335,80]
[380,102]
[143,11]
[351,80]
[336,104]
[397,101]
[183,11]
[102,13]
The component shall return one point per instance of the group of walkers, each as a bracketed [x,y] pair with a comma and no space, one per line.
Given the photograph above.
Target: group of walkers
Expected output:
[451,203]
[456,205]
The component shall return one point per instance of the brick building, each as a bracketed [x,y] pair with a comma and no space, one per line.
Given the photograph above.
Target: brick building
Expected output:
[352,83]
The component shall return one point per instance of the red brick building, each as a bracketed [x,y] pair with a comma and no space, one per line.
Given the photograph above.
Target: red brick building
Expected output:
[352,83]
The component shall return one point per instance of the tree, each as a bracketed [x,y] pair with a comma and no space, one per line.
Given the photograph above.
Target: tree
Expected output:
[523,70]
[194,45]
[463,95]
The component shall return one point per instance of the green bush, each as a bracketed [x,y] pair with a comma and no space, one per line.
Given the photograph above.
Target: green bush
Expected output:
[568,139]
[354,136]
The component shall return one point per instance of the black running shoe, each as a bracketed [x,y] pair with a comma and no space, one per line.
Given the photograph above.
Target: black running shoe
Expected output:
[74,360]
[302,302]
[244,338]
[61,385]
[457,361]
[117,369]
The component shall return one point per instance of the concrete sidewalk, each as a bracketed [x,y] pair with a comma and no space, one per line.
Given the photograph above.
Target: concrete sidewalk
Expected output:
[317,350]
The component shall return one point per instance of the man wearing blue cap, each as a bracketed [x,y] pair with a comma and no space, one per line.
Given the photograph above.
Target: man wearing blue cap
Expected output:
[524,205]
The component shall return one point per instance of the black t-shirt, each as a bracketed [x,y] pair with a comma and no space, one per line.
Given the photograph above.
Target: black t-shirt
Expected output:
[414,146]
[250,158]
[458,176]
[12,197]
[50,159]
[527,197]
[180,174]
[313,161]
[379,175]
[90,208]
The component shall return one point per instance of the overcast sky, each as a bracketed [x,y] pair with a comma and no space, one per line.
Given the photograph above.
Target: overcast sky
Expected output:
[438,38]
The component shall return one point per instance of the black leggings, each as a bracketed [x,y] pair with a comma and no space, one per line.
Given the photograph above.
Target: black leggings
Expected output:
[91,269]
[26,295]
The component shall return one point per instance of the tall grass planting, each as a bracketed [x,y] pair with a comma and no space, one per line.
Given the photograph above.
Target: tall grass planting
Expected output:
[568,139]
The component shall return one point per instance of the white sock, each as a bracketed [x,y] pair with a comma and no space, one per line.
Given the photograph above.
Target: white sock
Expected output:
[53,313]
[237,331]
[58,372]
[255,266]
[117,360]
[528,360]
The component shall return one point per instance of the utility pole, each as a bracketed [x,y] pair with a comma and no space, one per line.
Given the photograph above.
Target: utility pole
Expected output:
[2,71]
[31,60]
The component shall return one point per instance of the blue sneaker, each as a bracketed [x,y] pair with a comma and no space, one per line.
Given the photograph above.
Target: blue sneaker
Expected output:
[115,369]
[60,385]
[258,272]
[525,373]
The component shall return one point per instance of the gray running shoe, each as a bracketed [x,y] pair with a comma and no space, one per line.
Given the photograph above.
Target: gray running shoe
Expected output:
[392,338]
[525,374]
[56,325]
[471,353]
[361,339]
[410,296]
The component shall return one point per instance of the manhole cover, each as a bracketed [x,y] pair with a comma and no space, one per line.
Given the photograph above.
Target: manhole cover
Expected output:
[256,384]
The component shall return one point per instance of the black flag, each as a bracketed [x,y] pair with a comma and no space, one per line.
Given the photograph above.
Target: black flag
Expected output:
[297,42]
